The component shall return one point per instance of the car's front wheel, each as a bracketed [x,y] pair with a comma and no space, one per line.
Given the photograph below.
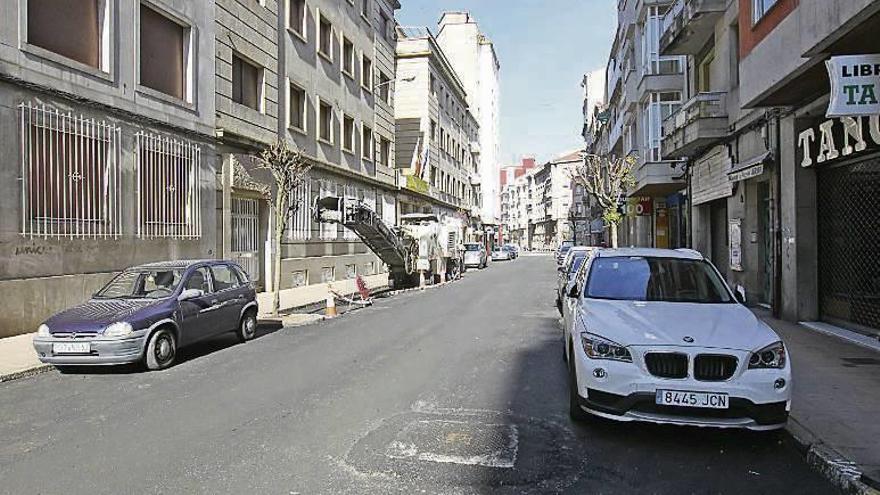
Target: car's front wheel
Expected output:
[161,350]
[247,329]
[574,407]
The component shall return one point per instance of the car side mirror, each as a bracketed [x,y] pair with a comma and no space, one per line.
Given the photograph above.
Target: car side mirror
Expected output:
[571,290]
[188,294]
[740,292]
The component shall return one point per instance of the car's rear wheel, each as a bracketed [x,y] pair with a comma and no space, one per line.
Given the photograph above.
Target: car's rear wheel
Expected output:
[574,408]
[247,329]
[161,350]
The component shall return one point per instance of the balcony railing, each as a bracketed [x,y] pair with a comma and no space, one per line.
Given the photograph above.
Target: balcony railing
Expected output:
[701,120]
[689,25]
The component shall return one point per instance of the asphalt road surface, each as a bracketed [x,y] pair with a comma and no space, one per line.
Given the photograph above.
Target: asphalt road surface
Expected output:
[453,390]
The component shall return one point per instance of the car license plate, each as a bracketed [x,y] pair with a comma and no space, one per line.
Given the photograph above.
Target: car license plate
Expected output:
[71,348]
[692,399]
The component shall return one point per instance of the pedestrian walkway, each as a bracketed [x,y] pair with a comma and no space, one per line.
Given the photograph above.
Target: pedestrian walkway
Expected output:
[17,357]
[836,394]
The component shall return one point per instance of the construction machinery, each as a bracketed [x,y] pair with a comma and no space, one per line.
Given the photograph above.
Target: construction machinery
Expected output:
[422,250]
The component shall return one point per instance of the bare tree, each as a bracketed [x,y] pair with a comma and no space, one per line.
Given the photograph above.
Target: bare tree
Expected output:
[289,169]
[607,179]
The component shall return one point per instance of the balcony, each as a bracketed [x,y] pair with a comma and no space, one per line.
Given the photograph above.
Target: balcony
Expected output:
[699,123]
[658,178]
[689,25]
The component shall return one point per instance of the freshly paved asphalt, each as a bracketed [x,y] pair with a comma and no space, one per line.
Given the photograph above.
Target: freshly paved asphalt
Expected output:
[454,390]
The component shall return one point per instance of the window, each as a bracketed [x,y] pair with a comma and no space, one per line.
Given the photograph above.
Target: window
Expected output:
[384,87]
[760,8]
[325,122]
[367,142]
[367,72]
[297,102]
[167,187]
[75,29]
[365,8]
[347,57]
[433,130]
[328,274]
[300,278]
[433,85]
[385,152]
[351,271]
[246,83]
[325,38]
[70,175]
[300,219]
[198,280]
[387,27]
[348,134]
[224,278]
[162,64]
[297,16]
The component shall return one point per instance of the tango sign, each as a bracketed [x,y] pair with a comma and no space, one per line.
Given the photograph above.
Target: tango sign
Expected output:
[837,138]
[855,85]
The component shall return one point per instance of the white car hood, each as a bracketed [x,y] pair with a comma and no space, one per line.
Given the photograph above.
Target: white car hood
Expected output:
[635,323]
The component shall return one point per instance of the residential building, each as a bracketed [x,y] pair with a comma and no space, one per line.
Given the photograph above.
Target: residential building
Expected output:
[107,120]
[643,88]
[436,132]
[322,75]
[472,56]
[513,222]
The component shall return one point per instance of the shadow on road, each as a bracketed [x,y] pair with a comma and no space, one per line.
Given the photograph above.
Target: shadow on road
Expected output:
[188,353]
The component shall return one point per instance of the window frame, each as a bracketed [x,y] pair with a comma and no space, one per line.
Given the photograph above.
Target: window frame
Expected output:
[367,76]
[350,133]
[760,9]
[302,32]
[367,143]
[261,81]
[322,103]
[291,87]
[189,56]
[348,59]
[319,39]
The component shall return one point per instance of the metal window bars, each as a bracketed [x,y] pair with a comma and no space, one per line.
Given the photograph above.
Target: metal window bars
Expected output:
[300,221]
[70,177]
[245,245]
[168,183]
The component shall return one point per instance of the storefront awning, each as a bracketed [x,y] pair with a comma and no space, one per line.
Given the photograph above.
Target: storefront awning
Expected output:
[749,168]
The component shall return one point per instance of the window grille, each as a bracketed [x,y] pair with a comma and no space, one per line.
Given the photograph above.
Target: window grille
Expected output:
[69,175]
[351,193]
[328,230]
[167,187]
[299,226]
[245,245]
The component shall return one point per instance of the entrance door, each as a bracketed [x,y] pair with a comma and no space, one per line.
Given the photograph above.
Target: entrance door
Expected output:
[766,246]
[720,254]
[245,236]
[849,273]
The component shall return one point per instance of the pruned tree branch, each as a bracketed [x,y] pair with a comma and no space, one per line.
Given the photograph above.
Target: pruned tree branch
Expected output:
[606,179]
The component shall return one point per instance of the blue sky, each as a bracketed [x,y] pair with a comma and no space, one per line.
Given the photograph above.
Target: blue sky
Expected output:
[544,47]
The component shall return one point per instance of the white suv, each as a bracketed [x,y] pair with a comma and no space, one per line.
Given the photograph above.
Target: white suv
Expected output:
[656,335]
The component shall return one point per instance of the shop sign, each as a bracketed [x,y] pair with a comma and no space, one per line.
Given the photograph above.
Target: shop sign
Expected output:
[644,207]
[837,138]
[855,85]
[746,173]
[416,184]
[735,233]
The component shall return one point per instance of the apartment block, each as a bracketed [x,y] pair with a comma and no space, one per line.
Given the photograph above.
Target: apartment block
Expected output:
[107,117]
[780,194]
[643,88]
[436,132]
[472,55]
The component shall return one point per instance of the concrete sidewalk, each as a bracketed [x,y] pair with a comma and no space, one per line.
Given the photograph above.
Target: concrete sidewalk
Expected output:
[835,402]
[18,359]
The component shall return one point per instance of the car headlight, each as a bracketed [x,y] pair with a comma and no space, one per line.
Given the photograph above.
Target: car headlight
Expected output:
[601,348]
[772,356]
[43,331]
[118,329]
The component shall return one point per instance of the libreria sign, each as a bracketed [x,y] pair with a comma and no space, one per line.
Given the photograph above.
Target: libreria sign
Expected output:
[855,85]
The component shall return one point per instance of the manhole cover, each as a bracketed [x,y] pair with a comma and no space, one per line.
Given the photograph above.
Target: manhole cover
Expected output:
[511,454]
[459,442]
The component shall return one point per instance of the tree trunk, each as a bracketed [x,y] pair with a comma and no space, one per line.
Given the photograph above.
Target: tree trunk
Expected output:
[276,255]
[614,235]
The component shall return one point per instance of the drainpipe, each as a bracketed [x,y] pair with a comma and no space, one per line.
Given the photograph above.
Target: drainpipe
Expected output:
[777,248]
[282,71]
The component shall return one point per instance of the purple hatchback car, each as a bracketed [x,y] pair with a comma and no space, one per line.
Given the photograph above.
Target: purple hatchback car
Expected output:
[147,312]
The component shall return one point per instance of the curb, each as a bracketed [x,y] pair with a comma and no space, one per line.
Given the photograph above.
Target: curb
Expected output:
[841,472]
[35,370]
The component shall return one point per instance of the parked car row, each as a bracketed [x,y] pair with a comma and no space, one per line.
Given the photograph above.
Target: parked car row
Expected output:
[147,313]
[657,335]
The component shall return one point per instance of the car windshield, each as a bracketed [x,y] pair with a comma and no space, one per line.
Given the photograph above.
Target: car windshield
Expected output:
[656,279]
[472,247]
[576,263]
[142,284]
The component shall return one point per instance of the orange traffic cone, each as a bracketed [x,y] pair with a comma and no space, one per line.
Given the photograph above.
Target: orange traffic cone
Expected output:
[330,310]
